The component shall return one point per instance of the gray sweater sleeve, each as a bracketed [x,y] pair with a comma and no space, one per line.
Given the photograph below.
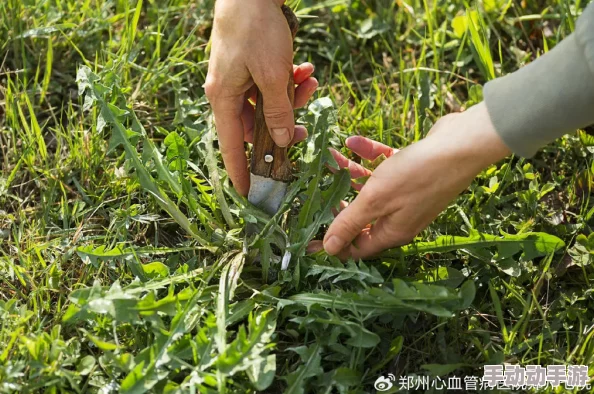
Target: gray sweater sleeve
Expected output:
[551,96]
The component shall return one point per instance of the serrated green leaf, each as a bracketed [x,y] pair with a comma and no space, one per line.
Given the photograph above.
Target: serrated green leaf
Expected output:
[361,337]
[533,244]
[249,347]
[403,299]
[339,272]
[261,372]
[310,367]
[331,199]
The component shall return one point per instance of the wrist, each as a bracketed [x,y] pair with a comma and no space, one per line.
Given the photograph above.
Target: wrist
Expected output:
[467,143]
[229,13]
[480,144]
[490,147]
[242,2]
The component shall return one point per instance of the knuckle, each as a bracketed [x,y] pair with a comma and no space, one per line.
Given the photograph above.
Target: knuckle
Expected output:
[275,114]
[369,198]
[211,88]
[276,78]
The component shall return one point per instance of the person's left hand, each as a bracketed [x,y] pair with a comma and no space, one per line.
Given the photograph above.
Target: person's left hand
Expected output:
[409,189]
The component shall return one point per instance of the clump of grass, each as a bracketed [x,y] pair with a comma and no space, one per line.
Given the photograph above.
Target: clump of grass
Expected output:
[123,262]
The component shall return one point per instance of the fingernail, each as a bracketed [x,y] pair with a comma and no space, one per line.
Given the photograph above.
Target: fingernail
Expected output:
[281,136]
[333,245]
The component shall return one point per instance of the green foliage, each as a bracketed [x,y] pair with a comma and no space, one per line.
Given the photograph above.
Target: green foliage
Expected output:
[308,368]
[401,299]
[336,271]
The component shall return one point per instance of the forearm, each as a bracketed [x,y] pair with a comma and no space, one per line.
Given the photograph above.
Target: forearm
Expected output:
[551,96]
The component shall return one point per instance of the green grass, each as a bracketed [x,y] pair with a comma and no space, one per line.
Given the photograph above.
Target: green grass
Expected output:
[123,259]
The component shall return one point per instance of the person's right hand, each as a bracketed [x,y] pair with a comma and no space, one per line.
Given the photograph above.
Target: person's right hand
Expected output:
[252,46]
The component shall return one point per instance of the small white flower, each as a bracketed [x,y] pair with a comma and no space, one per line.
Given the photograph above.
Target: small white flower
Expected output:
[286,260]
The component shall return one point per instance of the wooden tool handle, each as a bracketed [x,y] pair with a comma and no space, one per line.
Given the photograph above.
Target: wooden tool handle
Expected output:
[264,147]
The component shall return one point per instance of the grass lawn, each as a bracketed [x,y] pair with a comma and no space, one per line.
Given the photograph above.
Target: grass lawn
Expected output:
[124,265]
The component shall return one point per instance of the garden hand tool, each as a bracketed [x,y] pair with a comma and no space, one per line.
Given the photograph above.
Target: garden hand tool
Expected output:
[271,169]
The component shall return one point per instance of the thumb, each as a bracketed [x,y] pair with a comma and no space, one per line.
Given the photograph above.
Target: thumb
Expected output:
[348,224]
[278,110]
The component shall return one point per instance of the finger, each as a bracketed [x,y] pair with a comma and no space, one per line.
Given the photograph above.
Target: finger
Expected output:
[230,130]
[343,204]
[314,247]
[349,223]
[299,135]
[356,170]
[302,72]
[301,75]
[278,110]
[248,119]
[304,92]
[361,248]
[354,185]
[367,244]
[367,148]
[227,107]
[371,241]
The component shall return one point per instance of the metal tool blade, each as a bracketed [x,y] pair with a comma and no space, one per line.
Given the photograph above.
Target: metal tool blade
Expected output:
[266,193]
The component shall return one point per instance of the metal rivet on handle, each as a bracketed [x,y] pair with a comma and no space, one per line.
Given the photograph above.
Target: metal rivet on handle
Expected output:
[268,158]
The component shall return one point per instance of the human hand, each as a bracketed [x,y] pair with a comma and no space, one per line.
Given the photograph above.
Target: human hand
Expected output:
[407,191]
[252,46]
